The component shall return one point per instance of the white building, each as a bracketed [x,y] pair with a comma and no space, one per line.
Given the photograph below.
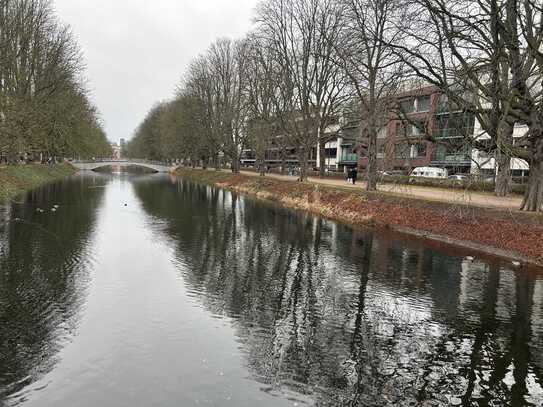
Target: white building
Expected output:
[484,164]
[115,151]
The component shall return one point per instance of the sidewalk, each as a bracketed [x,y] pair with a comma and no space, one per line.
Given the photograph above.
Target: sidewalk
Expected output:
[454,196]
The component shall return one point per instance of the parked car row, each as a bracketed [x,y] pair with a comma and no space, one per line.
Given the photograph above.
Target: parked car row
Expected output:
[429,172]
[436,173]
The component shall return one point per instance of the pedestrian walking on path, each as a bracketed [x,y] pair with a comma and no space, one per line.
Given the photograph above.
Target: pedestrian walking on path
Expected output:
[354,175]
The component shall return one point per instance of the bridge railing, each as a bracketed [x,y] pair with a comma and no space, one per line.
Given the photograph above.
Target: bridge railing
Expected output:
[100,160]
[137,161]
[152,162]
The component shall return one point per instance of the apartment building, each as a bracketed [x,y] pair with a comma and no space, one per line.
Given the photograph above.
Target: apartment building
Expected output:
[340,151]
[402,143]
[279,152]
[423,129]
[428,130]
[485,165]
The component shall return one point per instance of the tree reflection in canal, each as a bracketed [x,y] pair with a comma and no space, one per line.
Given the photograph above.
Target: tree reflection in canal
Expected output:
[43,265]
[352,317]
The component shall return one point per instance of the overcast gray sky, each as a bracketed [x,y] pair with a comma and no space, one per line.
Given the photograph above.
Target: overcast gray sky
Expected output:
[136,50]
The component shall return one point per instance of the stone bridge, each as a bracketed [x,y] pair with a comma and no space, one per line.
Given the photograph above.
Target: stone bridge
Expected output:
[152,165]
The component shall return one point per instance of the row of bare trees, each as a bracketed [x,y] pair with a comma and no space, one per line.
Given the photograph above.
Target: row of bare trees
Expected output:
[289,80]
[45,109]
[485,57]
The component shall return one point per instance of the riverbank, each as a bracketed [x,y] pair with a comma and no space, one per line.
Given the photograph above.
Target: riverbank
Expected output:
[16,179]
[508,234]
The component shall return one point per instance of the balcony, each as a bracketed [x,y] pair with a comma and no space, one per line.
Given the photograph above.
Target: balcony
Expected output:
[444,158]
[453,133]
[349,157]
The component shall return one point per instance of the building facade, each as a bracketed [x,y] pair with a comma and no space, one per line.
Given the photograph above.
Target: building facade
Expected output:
[429,131]
[402,142]
[485,165]
[115,151]
[423,129]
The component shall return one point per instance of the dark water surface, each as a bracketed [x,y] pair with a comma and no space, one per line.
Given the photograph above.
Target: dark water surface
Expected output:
[193,296]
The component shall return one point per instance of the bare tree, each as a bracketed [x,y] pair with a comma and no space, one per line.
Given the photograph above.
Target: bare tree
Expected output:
[262,99]
[522,31]
[216,78]
[373,67]
[198,85]
[301,33]
[457,47]
[44,105]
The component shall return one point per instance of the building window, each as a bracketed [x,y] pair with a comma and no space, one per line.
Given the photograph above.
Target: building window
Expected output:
[423,104]
[401,150]
[406,129]
[419,128]
[456,125]
[419,150]
[402,129]
[381,150]
[407,106]
[330,153]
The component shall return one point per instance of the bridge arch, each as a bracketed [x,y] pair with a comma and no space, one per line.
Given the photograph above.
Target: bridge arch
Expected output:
[93,165]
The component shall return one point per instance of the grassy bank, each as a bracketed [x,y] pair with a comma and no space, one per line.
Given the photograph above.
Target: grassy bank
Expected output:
[507,234]
[15,179]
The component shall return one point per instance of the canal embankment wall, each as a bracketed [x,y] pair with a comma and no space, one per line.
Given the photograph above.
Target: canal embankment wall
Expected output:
[512,235]
[16,179]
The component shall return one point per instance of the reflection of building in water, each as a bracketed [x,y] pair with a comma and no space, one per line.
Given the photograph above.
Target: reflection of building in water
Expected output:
[351,317]
[536,341]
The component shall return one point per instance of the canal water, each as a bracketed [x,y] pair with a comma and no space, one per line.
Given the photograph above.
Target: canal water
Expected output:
[146,290]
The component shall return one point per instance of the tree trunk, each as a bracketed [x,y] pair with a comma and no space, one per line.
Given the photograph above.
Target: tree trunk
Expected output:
[322,157]
[503,160]
[371,170]
[302,155]
[261,166]
[235,165]
[503,175]
[533,197]
[283,160]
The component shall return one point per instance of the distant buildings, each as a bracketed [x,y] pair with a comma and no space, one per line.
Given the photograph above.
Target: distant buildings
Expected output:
[115,151]
[402,143]
[426,130]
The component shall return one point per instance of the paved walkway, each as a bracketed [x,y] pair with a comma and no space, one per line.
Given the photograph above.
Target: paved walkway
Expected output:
[458,196]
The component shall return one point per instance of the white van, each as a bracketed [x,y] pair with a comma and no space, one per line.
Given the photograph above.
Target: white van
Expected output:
[429,172]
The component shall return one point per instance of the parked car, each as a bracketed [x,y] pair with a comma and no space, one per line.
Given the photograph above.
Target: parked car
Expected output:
[429,172]
[489,180]
[391,173]
[458,177]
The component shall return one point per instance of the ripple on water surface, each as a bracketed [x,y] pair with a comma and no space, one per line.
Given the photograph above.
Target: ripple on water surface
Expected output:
[165,292]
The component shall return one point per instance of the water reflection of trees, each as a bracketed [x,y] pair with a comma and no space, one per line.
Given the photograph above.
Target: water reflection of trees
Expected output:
[349,317]
[42,277]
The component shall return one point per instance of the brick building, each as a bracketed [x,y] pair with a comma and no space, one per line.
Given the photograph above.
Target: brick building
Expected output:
[423,130]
